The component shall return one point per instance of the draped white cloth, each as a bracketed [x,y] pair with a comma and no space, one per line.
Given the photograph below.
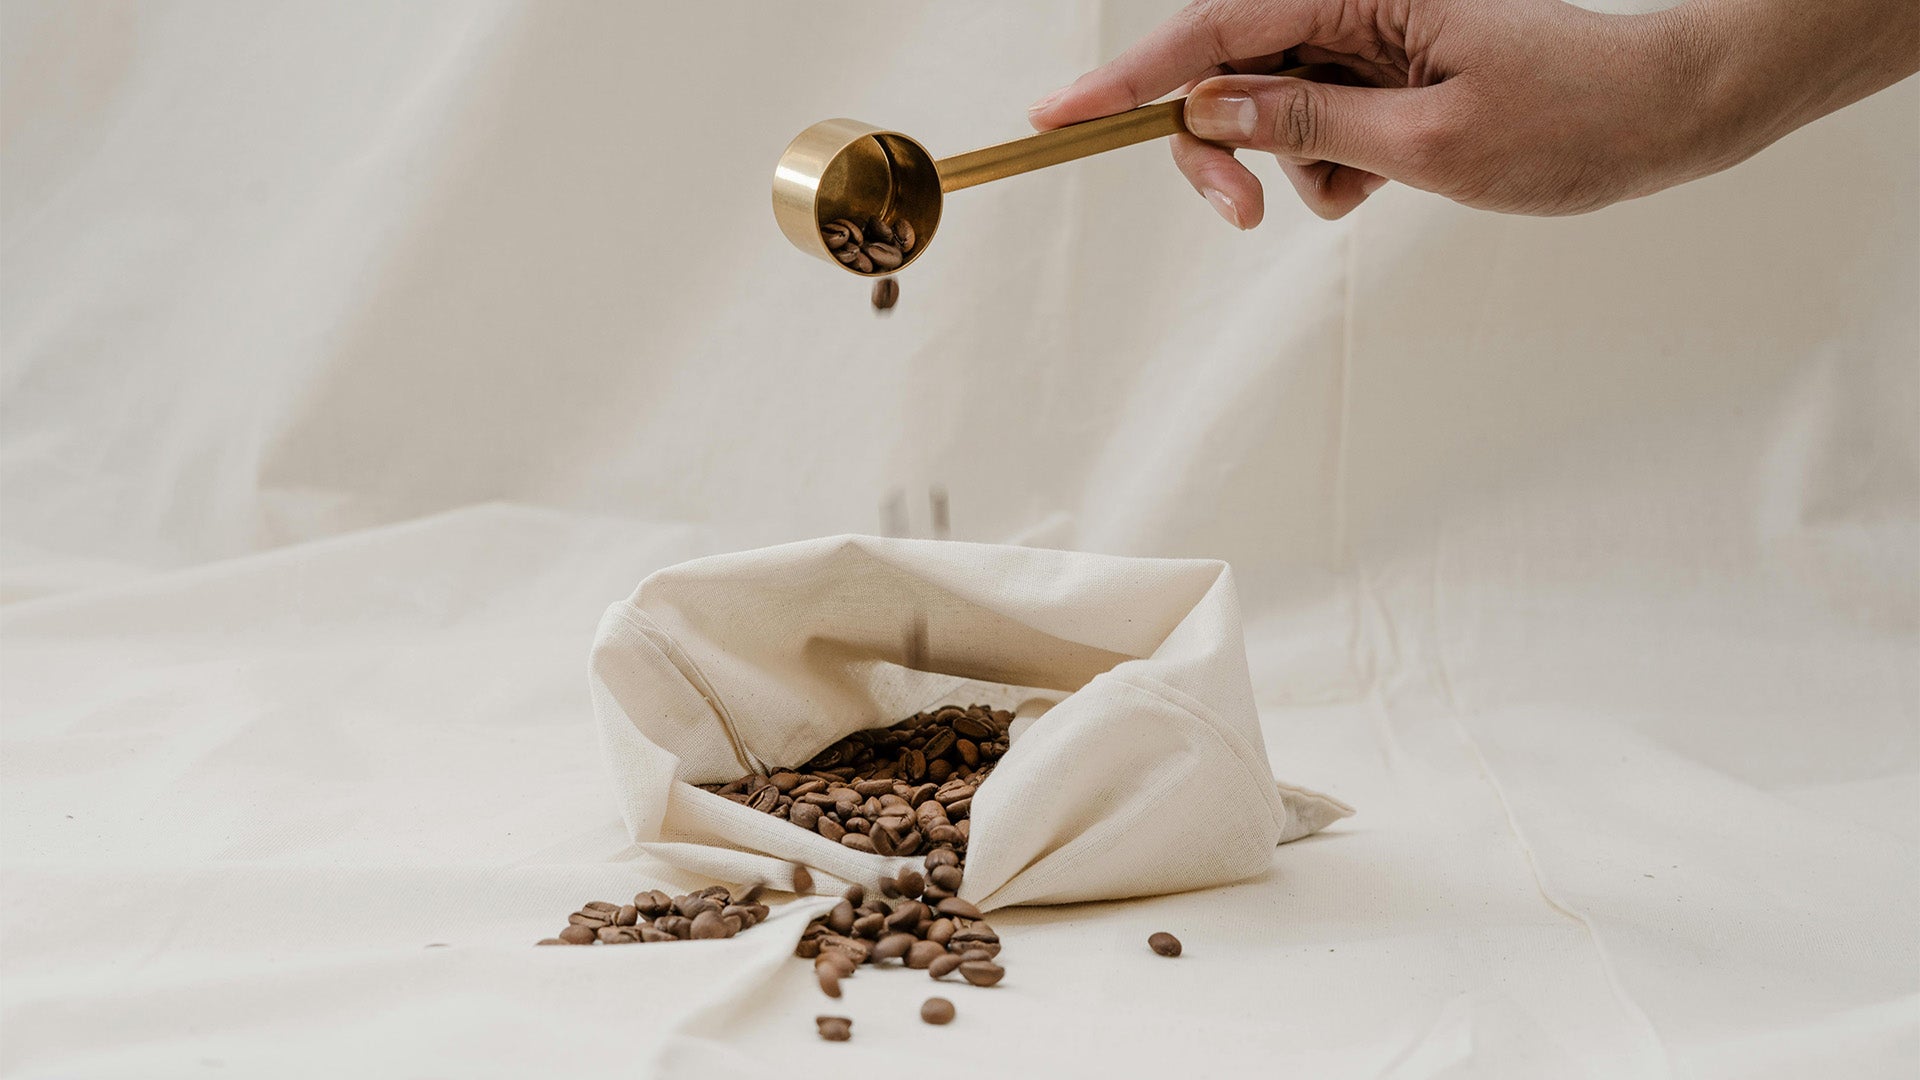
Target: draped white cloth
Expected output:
[357,356]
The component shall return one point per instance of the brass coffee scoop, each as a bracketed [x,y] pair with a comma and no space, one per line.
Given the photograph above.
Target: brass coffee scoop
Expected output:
[848,169]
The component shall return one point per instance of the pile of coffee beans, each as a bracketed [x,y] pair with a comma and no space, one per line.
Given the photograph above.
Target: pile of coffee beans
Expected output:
[875,245]
[899,790]
[942,938]
[710,913]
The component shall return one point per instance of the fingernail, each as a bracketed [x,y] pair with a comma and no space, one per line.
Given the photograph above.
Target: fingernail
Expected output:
[1224,207]
[1221,117]
[1044,102]
[1372,183]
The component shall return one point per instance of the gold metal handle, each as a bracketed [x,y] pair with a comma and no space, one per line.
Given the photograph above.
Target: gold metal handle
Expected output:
[1062,144]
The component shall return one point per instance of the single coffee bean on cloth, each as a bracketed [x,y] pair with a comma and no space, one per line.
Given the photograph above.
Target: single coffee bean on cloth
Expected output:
[1164,943]
[834,1028]
[937,1010]
[767,662]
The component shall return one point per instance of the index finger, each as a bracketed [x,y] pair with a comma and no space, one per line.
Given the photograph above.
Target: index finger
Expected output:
[1200,36]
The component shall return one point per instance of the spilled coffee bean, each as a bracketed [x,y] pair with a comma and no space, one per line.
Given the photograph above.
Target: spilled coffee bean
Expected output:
[834,1028]
[937,1010]
[1164,943]
[706,914]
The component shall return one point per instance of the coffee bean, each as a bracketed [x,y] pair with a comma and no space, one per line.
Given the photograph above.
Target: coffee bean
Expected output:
[835,234]
[943,965]
[840,918]
[834,1028]
[578,935]
[652,903]
[678,926]
[592,920]
[854,235]
[903,234]
[940,856]
[882,840]
[830,829]
[708,925]
[972,727]
[858,842]
[802,880]
[855,895]
[1164,943]
[909,882]
[550,941]
[829,980]
[650,933]
[852,948]
[893,946]
[922,954]
[981,972]
[879,230]
[907,915]
[968,956]
[940,931]
[765,799]
[947,877]
[937,1010]
[870,926]
[958,908]
[885,256]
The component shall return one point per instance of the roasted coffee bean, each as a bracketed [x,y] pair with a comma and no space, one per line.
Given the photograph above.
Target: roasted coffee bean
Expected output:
[909,883]
[839,961]
[708,925]
[882,840]
[937,1011]
[1164,943]
[870,926]
[893,946]
[619,935]
[786,780]
[802,880]
[854,949]
[765,799]
[854,233]
[626,916]
[828,978]
[972,727]
[718,893]
[944,965]
[858,842]
[840,918]
[599,905]
[977,934]
[945,834]
[947,877]
[938,743]
[855,895]
[807,949]
[805,815]
[592,920]
[940,931]
[885,256]
[652,903]
[933,894]
[742,912]
[830,829]
[869,788]
[654,933]
[940,856]
[903,234]
[981,972]
[878,230]
[577,935]
[834,1028]
[677,925]
[970,955]
[980,950]
[835,234]
[907,915]
[938,769]
[958,908]
[809,787]
[922,954]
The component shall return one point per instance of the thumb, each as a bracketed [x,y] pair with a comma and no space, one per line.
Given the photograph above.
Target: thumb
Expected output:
[1385,131]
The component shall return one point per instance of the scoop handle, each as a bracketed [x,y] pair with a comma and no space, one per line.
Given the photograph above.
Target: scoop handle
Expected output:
[1084,139]
[1062,144]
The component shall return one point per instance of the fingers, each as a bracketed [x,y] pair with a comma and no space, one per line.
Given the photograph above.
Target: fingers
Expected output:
[1388,132]
[1203,34]
[1232,190]
[1330,190]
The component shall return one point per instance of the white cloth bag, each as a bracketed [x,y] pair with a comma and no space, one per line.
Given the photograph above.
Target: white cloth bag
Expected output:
[1136,767]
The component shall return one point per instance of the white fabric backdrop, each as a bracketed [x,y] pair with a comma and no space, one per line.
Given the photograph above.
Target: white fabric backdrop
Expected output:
[357,355]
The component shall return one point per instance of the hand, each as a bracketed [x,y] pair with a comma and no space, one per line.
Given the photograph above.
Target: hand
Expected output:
[1522,106]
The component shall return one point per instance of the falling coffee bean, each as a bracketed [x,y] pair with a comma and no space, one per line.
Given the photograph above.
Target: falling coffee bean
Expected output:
[937,1011]
[1165,944]
[834,1028]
